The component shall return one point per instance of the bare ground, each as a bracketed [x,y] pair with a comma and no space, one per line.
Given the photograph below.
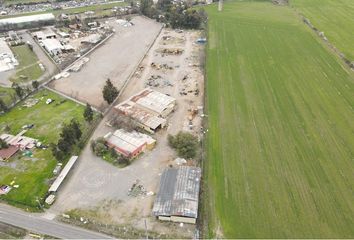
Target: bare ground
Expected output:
[115,59]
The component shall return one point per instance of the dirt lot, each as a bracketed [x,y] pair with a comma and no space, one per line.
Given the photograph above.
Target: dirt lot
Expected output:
[115,59]
[95,184]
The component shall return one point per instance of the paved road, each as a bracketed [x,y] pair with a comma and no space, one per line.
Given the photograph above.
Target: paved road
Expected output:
[37,224]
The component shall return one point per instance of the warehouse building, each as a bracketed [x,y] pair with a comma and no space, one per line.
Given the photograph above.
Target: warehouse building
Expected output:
[149,108]
[129,144]
[178,196]
[158,103]
[144,119]
[32,21]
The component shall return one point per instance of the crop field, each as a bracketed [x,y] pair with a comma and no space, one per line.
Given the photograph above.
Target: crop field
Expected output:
[280,143]
[334,18]
[32,173]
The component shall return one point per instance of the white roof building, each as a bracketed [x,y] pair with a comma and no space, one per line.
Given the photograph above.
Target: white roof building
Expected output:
[58,181]
[53,46]
[7,59]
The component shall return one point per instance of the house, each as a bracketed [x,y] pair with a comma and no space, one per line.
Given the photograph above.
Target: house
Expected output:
[53,46]
[19,140]
[6,153]
[178,196]
[129,144]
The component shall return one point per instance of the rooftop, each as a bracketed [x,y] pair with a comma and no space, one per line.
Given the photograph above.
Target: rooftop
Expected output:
[153,100]
[179,192]
[24,19]
[128,141]
[51,44]
[144,117]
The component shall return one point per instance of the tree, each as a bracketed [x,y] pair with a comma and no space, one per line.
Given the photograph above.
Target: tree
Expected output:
[57,153]
[35,84]
[184,143]
[19,91]
[98,147]
[3,107]
[75,126]
[146,7]
[88,113]
[3,144]
[109,92]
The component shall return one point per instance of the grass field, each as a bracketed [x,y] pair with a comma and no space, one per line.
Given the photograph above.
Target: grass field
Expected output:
[5,95]
[28,68]
[280,143]
[32,173]
[334,18]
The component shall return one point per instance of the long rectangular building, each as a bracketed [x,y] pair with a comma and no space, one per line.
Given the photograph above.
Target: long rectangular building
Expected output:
[31,21]
[178,196]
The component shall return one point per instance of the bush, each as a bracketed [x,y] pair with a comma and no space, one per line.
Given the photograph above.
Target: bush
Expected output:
[185,144]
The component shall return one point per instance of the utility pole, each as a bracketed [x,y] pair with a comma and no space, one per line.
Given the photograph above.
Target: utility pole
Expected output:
[146,231]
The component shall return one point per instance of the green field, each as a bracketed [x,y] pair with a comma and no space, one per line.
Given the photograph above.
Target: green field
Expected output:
[5,95]
[280,144]
[28,68]
[334,18]
[32,173]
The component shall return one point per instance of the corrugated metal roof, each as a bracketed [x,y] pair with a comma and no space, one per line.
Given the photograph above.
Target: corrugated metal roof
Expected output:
[179,192]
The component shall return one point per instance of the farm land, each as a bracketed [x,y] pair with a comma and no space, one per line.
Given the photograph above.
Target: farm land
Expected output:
[334,19]
[280,143]
[33,173]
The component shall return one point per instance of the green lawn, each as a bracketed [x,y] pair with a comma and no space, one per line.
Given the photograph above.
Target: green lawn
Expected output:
[5,94]
[280,144]
[334,18]
[32,173]
[28,68]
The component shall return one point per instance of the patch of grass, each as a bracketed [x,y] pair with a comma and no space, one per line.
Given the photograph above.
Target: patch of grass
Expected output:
[334,18]
[33,173]
[28,68]
[5,95]
[280,143]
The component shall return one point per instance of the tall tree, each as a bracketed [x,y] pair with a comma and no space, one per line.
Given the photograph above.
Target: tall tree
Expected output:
[109,92]
[88,113]
[19,91]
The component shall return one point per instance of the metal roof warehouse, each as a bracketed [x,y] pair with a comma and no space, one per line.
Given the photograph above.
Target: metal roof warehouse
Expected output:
[178,197]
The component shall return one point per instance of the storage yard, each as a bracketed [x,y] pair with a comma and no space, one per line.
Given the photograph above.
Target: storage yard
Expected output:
[126,196]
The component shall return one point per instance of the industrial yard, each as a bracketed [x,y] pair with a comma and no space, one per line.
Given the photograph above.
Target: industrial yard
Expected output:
[112,185]
[129,45]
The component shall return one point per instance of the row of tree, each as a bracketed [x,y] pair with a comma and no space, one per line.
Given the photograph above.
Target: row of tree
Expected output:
[176,15]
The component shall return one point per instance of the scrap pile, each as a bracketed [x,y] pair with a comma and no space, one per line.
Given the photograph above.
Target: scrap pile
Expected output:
[157,81]
[137,189]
